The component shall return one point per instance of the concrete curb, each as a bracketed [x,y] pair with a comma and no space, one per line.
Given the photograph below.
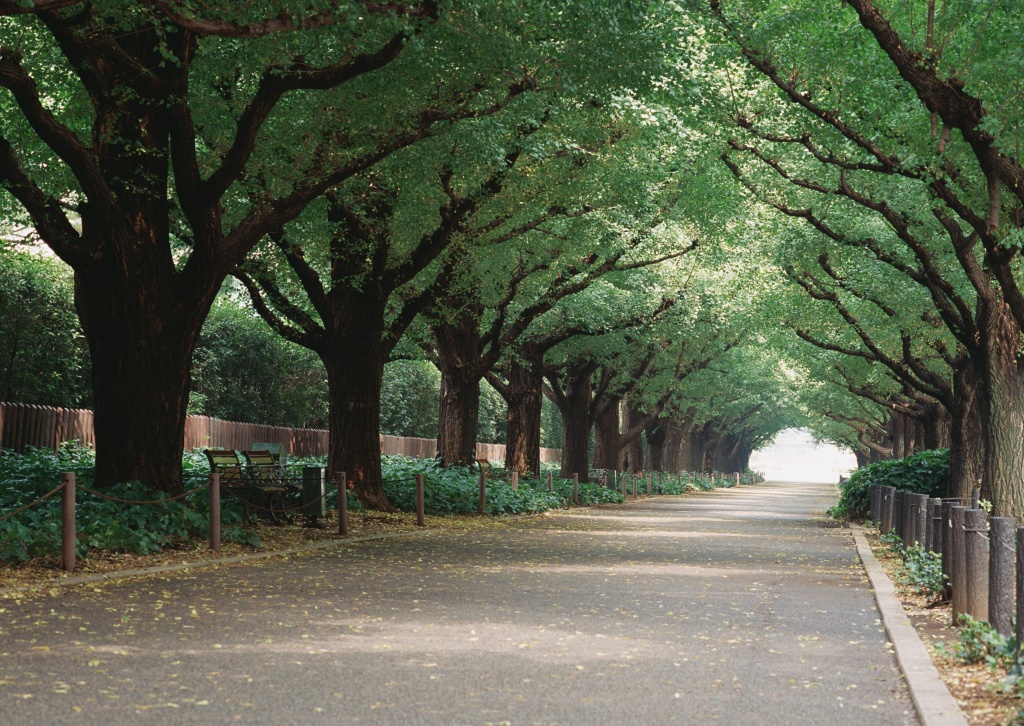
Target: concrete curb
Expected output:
[184,566]
[935,705]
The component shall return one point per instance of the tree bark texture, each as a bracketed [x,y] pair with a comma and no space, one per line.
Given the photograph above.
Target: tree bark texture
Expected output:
[457,357]
[672,449]
[631,457]
[141,337]
[524,395]
[656,436]
[574,407]
[1002,409]
[606,436]
[355,370]
[966,445]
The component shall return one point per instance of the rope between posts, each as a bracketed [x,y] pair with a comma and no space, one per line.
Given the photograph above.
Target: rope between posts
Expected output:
[33,503]
[101,495]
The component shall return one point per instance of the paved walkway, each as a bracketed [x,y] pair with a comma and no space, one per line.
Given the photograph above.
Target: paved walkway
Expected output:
[742,606]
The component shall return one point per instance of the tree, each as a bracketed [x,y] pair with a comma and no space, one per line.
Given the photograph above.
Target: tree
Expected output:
[243,371]
[161,128]
[43,360]
[945,182]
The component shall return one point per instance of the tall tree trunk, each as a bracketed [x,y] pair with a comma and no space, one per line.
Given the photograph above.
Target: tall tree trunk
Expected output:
[686,461]
[897,423]
[631,457]
[656,435]
[355,370]
[966,445]
[524,394]
[1002,410]
[606,437]
[935,428]
[702,441]
[673,447]
[574,407]
[459,418]
[141,337]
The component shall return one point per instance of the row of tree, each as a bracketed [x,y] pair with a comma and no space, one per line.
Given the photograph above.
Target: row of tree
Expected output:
[688,225]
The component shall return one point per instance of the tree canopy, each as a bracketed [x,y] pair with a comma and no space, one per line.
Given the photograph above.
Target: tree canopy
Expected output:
[688,225]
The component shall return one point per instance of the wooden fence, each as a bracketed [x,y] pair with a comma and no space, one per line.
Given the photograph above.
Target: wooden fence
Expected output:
[24,425]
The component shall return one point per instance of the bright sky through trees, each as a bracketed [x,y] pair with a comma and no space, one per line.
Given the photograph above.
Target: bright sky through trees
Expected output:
[794,456]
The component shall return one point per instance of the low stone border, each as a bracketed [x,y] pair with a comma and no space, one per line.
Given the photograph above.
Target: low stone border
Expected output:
[183,566]
[935,705]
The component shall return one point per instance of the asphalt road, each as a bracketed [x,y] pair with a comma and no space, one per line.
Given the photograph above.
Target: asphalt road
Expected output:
[742,606]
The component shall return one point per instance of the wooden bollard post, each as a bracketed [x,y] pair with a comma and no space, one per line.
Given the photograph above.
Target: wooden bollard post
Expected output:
[976,560]
[947,548]
[934,525]
[420,521]
[213,482]
[956,564]
[68,529]
[575,488]
[551,483]
[906,519]
[886,510]
[1020,591]
[1000,573]
[483,492]
[515,480]
[604,480]
[737,478]
[343,504]
[649,477]
[921,520]
[634,485]
[624,475]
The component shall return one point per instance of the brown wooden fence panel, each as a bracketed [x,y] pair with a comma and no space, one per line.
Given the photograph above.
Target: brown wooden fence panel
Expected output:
[548,455]
[24,425]
[18,427]
[48,430]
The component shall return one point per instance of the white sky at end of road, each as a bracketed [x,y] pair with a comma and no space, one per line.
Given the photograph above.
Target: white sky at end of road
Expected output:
[795,457]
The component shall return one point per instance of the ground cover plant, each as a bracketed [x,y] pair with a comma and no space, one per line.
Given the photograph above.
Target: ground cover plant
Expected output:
[924,473]
[455,489]
[143,529]
[102,523]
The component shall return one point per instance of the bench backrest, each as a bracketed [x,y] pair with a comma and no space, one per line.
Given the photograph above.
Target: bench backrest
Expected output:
[262,466]
[226,463]
[276,450]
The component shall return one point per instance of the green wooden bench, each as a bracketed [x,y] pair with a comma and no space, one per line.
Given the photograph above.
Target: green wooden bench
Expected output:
[258,488]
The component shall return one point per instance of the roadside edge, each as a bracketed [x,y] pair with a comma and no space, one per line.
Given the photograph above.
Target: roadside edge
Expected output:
[934,703]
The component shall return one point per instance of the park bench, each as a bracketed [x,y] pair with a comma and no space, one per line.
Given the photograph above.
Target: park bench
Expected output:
[258,486]
[598,476]
[266,470]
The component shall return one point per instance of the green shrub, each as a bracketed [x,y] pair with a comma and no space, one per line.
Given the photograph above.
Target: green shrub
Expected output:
[924,473]
[101,523]
[455,490]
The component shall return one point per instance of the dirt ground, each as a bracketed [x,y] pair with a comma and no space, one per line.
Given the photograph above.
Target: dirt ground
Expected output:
[977,688]
[42,574]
